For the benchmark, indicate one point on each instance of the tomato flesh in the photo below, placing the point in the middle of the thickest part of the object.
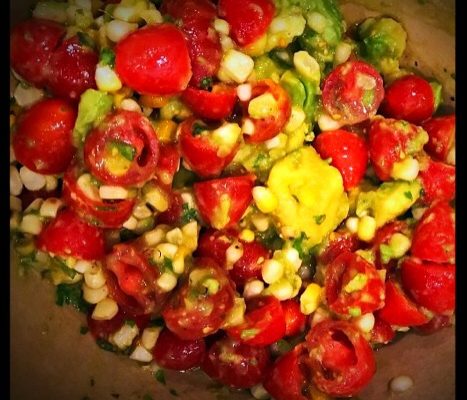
(216, 104)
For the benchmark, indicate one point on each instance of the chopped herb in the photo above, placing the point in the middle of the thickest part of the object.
(249, 333)
(282, 346)
(107, 57)
(368, 98)
(83, 330)
(126, 151)
(105, 345)
(386, 253)
(188, 214)
(86, 40)
(358, 282)
(28, 260)
(72, 295)
(298, 242)
(408, 194)
(158, 321)
(60, 264)
(160, 376)
(173, 392)
(270, 239)
(261, 161)
(126, 235)
(206, 83)
(167, 265)
(197, 129)
(130, 322)
(319, 219)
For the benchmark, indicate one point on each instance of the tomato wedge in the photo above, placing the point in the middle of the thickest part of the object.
(223, 201)
(67, 235)
(340, 359)
(337, 243)
(154, 60)
(295, 320)
(442, 135)
(352, 92)
(438, 180)
(123, 149)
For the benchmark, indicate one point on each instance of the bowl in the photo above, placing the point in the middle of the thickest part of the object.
(51, 360)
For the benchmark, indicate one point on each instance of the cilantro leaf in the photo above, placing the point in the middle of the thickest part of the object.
(72, 295)
(107, 57)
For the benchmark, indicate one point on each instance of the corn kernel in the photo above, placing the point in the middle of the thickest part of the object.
(271, 271)
(265, 200)
(167, 281)
(50, 207)
(237, 65)
(158, 199)
(94, 296)
(117, 30)
(105, 310)
(15, 203)
(108, 192)
(233, 253)
(130, 105)
(27, 96)
(150, 336)
(155, 236)
(95, 279)
(400, 244)
(131, 223)
(31, 180)
(259, 392)
(365, 322)
(310, 299)
(141, 354)
(106, 79)
(306, 65)
(366, 228)
(244, 91)
(31, 224)
(83, 266)
(261, 222)
(124, 337)
(352, 224)
(343, 52)
(282, 290)
(221, 26)
(16, 184)
(327, 123)
(247, 235)
(253, 288)
(317, 21)
(297, 117)
(407, 169)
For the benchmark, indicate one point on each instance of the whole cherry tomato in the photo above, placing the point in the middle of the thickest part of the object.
(348, 153)
(409, 98)
(43, 138)
(248, 22)
(438, 180)
(154, 60)
(352, 92)
(442, 135)
(68, 236)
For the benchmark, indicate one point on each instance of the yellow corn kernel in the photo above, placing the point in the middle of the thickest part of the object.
(141, 354)
(105, 309)
(366, 228)
(153, 101)
(365, 322)
(166, 130)
(247, 235)
(122, 94)
(407, 169)
(310, 299)
(253, 288)
(272, 270)
(150, 336)
(306, 65)
(95, 279)
(264, 199)
(106, 79)
(94, 296)
(400, 244)
(167, 281)
(281, 290)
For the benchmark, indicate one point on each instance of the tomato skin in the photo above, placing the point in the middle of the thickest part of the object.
(100, 213)
(236, 364)
(195, 322)
(430, 285)
(267, 128)
(209, 195)
(214, 244)
(410, 98)
(435, 324)
(172, 215)
(171, 352)
(341, 272)
(201, 152)
(264, 319)
(248, 22)
(340, 360)
(128, 128)
(438, 180)
(43, 138)
(154, 60)
(349, 154)
(31, 45)
(295, 320)
(382, 332)
(337, 243)
(285, 379)
(390, 141)
(434, 237)
(67, 235)
(343, 94)
(214, 105)
(72, 69)
(399, 309)
(442, 132)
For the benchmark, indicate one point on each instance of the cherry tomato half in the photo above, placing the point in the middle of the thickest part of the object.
(340, 360)
(154, 60)
(352, 92)
(43, 138)
(123, 149)
(438, 180)
(442, 135)
(348, 153)
(382, 332)
(67, 235)
(294, 318)
(336, 243)
(236, 364)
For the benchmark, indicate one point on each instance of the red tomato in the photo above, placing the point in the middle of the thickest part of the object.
(248, 21)
(383, 236)
(294, 319)
(215, 104)
(236, 364)
(348, 153)
(438, 180)
(201, 303)
(340, 360)
(353, 285)
(214, 244)
(435, 324)
(431, 285)
(434, 237)
(31, 45)
(172, 215)
(168, 163)
(268, 127)
(285, 380)
(223, 201)
(264, 322)
(442, 134)
(409, 98)
(72, 69)
(42, 141)
(390, 141)
(136, 277)
(202, 151)
(352, 92)
(171, 352)
(103, 213)
(399, 309)
(122, 150)
(382, 332)
(67, 235)
(154, 60)
(337, 243)
(202, 40)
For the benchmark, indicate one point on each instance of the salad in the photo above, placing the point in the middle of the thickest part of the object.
(253, 189)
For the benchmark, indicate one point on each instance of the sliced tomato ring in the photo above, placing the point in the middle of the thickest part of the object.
(123, 149)
(105, 214)
(340, 360)
(352, 92)
(267, 127)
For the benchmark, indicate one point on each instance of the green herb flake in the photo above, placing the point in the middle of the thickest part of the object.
(72, 295)
(158, 321)
(107, 57)
(358, 282)
(188, 214)
(197, 129)
(298, 242)
(130, 322)
(83, 330)
(249, 333)
(105, 345)
(206, 83)
(409, 195)
(86, 40)
(386, 253)
(126, 151)
(167, 265)
(319, 219)
(160, 376)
